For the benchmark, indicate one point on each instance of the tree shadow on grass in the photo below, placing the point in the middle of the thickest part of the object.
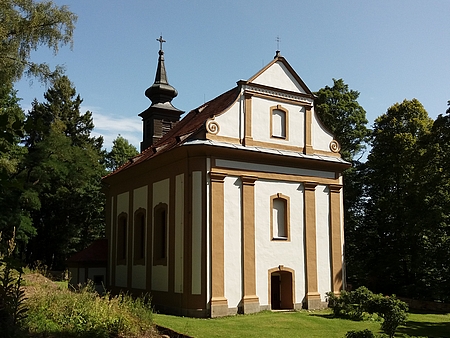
(426, 329)
(323, 315)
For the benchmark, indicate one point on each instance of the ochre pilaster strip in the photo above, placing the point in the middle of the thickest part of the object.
(250, 300)
(312, 294)
(308, 149)
(219, 304)
(335, 240)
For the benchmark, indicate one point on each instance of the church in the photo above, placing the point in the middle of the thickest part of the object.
(235, 208)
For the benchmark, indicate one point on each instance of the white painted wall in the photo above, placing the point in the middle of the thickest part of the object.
(261, 118)
(98, 272)
(230, 122)
(160, 273)
(271, 254)
(197, 208)
(122, 206)
(278, 76)
(321, 138)
(74, 276)
(81, 275)
(323, 240)
(179, 232)
(138, 272)
(232, 240)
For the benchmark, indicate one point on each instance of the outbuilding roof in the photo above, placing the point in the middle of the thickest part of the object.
(96, 252)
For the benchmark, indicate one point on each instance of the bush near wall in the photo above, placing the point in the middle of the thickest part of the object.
(354, 304)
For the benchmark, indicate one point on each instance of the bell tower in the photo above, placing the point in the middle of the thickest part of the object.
(161, 116)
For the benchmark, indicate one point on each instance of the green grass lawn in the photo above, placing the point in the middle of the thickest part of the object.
(297, 324)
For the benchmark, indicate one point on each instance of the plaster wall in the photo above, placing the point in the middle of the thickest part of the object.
(123, 201)
(81, 275)
(278, 76)
(273, 253)
(74, 276)
(96, 272)
(321, 138)
(323, 240)
(261, 122)
(232, 240)
(138, 272)
(160, 273)
(230, 122)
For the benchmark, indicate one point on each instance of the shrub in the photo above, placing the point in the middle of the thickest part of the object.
(350, 305)
(354, 304)
(360, 334)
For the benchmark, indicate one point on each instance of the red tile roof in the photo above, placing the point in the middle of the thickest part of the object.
(193, 122)
(96, 252)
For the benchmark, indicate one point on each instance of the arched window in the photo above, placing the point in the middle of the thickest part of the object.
(279, 217)
(160, 234)
(122, 238)
(279, 118)
(139, 237)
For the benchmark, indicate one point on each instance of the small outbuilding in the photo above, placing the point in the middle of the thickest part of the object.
(89, 264)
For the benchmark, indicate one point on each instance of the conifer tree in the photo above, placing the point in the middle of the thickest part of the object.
(63, 167)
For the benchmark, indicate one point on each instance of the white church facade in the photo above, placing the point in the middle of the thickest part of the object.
(235, 208)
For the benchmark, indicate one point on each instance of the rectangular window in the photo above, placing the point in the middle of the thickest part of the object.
(279, 122)
(279, 222)
(279, 217)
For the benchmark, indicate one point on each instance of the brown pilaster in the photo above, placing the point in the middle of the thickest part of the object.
(308, 149)
(219, 304)
(130, 235)
(250, 301)
(335, 238)
(312, 294)
(248, 119)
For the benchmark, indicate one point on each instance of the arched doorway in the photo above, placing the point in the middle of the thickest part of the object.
(281, 289)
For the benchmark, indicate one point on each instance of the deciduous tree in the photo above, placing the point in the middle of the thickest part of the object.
(394, 215)
(25, 25)
(120, 153)
(339, 110)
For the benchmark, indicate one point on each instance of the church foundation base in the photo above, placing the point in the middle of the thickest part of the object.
(250, 304)
(219, 307)
(313, 302)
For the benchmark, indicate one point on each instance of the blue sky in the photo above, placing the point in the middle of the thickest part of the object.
(388, 50)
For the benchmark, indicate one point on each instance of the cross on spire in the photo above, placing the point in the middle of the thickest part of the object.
(161, 41)
(278, 43)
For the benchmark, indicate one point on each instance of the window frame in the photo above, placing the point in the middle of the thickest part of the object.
(286, 122)
(287, 226)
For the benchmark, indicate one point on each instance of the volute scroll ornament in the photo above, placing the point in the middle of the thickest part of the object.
(212, 126)
(335, 147)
